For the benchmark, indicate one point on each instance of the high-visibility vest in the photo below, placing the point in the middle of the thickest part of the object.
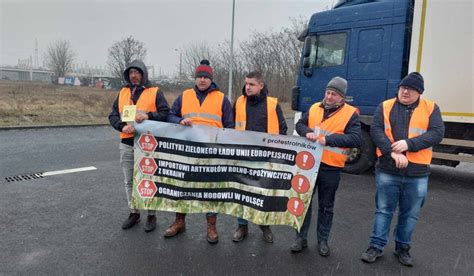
(335, 124)
(209, 113)
(145, 103)
(273, 126)
(418, 125)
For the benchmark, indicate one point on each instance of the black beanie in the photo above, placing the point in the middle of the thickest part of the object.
(414, 80)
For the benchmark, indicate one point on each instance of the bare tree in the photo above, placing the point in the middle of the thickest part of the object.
(59, 57)
(123, 52)
(275, 53)
(193, 54)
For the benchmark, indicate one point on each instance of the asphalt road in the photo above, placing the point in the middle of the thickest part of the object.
(70, 223)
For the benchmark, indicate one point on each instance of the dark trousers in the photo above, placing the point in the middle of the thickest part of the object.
(326, 184)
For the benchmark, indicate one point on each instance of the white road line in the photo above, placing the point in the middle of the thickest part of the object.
(83, 169)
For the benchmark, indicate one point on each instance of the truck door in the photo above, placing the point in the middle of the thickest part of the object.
(369, 57)
(327, 59)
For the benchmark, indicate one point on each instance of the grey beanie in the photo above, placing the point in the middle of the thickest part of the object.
(339, 85)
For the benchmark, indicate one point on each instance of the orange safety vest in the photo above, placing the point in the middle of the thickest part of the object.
(418, 125)
(335, 124)
(209, 113)
(273, 126)
(145, 103)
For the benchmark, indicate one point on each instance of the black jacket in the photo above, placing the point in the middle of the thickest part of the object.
(256, 113)
(350, 139)
(400, 116)
(162, 107)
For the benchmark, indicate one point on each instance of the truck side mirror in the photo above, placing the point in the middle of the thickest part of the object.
(307, 47)
(306, 62)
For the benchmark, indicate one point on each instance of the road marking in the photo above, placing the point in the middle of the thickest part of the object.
(31, 176)
(69, 171)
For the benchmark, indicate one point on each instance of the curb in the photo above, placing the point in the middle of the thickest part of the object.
(49, 126)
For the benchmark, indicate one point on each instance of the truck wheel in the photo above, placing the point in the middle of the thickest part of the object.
(363, 158)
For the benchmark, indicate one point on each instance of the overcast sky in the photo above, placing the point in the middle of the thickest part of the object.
(93, 26)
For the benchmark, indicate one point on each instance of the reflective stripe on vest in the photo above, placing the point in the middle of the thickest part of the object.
(209, 113)
(273, 125)
(418, 125)
(333, 156)
(146, 103)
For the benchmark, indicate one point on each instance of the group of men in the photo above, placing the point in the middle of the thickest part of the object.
(404, 129)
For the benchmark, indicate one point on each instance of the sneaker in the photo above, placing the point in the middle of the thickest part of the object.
(299, 245)
(323, 248)
(371, 254)
(150, 224)
(403, 255)
(132, 219)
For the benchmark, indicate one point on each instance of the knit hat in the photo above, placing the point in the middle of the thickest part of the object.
(339, 85)
(204, 70)
(414, 80)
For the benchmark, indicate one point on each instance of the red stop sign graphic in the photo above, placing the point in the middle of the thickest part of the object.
(146, 189)
(147, 142)
(148, 165)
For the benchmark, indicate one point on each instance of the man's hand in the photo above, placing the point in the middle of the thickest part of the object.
(186, 122)
(400, 146)
(312, 136)
(128, 129)
(140, 117)
(401, 160)
(322, 141)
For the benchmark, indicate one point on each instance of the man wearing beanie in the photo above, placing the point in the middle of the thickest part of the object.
(202, 105)
(335, 125)
(404, 129)
(256, 111)
(150, 105)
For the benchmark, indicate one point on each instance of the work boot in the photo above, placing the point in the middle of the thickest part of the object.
(323, 248)
(403, 255)
(240, 234)
(267, 234)
(178, 226)
(132, 219)
(371, 254)
(299, 245)
(212, 236)
(150, 224)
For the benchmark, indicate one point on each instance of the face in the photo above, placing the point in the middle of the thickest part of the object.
(203, 83)
(407, 95)
(332, 97)
(135, 76)
(253, 87)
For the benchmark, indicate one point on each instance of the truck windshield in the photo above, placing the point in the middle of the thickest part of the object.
(327, 50)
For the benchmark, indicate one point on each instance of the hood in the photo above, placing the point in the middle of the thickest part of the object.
(138, 64)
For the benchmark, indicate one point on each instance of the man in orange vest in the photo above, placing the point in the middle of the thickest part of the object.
(256, 111)
(336, 126)
(150, 105)
(404, 129)
(202, 105)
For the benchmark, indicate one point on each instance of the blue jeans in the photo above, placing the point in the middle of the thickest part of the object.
(409, 194)
(242, 221)
(326, 184)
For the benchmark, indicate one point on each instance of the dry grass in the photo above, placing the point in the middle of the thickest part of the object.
(25, 103)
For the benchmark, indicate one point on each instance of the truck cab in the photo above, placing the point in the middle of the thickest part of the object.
(365, 42)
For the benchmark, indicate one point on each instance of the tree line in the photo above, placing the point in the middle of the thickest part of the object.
(275, 53)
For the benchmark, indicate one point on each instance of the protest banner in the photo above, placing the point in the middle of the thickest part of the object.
(264, 178)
